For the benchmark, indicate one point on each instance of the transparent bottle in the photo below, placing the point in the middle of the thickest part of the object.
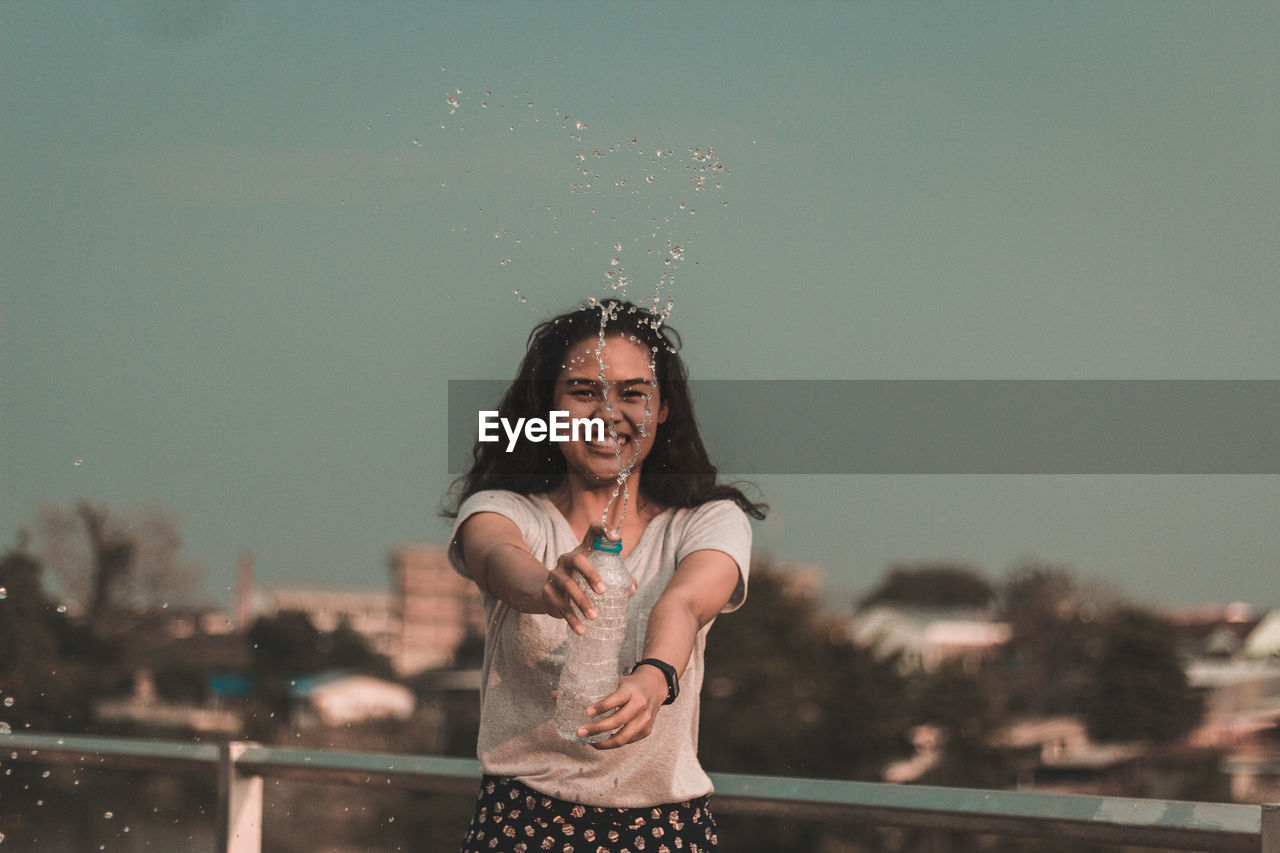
(591, 667)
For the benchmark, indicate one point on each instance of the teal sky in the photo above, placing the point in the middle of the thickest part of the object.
(245, 245)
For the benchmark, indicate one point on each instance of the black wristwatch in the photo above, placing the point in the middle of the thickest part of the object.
(669, 672)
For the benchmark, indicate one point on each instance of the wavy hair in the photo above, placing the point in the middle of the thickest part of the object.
(677, 472)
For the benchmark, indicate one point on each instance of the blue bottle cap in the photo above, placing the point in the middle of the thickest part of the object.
(604, 543)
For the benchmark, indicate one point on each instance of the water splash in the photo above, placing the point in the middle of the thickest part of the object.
(638, 188)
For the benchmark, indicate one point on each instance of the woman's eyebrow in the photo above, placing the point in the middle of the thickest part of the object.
(594, 382)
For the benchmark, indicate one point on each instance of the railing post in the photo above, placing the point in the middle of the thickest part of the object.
(239, 803)
(1270, 828)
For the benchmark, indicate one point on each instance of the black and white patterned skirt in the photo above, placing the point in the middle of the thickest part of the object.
(512, 818)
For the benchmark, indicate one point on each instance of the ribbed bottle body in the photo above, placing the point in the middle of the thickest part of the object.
(592, 668)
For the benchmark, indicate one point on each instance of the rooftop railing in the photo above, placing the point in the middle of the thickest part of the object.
(241, 768)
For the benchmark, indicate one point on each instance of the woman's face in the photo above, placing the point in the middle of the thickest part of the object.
(633, 405)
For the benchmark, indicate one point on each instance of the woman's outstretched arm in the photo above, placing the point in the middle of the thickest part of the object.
(499, 562)
(700, 589)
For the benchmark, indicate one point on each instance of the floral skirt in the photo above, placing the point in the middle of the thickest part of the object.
(512, 818)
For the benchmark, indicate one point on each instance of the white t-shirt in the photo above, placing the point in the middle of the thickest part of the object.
(524, 653)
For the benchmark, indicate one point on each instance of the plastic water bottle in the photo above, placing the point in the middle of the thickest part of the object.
(591, 668)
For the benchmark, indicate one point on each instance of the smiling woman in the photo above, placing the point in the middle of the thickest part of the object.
(524, 521)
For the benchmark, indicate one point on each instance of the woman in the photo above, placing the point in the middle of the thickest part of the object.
(524, 522)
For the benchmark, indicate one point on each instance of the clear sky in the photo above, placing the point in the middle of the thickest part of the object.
(245, 245)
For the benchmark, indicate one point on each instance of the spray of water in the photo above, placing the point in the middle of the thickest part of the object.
(623, 182)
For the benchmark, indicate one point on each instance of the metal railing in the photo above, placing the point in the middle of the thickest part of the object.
(241, 767)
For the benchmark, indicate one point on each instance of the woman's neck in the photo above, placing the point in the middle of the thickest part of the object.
(583, 505)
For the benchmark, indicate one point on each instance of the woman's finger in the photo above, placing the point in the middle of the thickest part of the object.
(636, 729)
(583, 566)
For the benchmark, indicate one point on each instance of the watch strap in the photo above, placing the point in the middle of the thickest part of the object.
(668, 672)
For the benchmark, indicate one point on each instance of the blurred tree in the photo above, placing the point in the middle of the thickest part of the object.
(1140, 689)
(108, 565)
(935, 584)
(48, 669)
(283, 647)
(287, 645)
(968, 709)
(787, 693)
(347, 648)
(1055, 639)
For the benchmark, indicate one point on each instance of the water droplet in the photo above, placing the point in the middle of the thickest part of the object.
(4, 728)
(4, 593)
(78, 463)
(62, 608)
(8, 701)
(108, 815)
(617, 247)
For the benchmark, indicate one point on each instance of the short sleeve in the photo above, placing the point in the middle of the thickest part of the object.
(507, 504)
(720, 526)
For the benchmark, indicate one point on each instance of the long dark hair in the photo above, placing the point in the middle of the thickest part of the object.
(677, 472)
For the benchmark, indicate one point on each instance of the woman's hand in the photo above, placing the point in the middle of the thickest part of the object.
(562, 596)
(637, 700)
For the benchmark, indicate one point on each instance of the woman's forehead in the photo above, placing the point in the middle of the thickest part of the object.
(619, 355)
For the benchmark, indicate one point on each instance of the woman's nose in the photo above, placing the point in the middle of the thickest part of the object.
(607, 405)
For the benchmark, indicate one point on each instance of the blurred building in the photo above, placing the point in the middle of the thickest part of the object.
(1056, 754)
(1264, 640)
(925, 637)
(372, 615)
(1211, 630)
(419, 624)
(436, 609)
(1242, 698)
(345, 698)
